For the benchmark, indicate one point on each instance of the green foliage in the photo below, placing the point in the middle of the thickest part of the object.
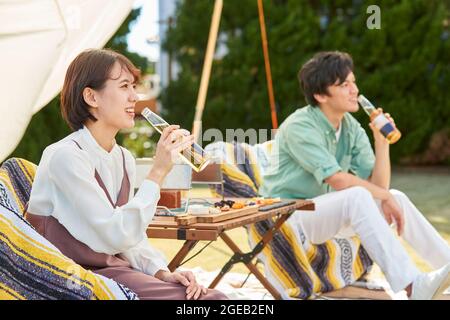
(141, 140)
(402, 67)
(119, 41)
(47, 126)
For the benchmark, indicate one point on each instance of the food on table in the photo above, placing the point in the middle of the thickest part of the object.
(265, 201)
(226, 205)
(214, 210)
(223, 203)
(238, 205)
(198, 209)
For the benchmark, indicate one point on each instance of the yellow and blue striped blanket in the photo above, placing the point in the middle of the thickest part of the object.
(30, 266)
(293, 265)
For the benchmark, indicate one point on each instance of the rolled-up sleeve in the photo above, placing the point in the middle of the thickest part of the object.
(363, 158)
(308, 147)
(145, 258)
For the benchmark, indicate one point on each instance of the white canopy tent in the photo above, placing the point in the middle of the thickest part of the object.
(38, 40)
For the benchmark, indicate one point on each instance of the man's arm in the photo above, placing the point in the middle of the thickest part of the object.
(381, 174)
(343, 180)
(391, 210)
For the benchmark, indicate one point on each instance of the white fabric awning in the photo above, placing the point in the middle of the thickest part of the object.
(38, 40)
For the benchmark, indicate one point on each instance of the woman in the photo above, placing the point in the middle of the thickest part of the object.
(82, 200)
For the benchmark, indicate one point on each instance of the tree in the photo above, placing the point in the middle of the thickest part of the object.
(402, 67)
(47, 126)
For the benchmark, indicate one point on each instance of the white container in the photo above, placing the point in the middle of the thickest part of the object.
(178, 178)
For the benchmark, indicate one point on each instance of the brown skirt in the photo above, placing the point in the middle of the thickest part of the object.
(112, 267)
(150, 288)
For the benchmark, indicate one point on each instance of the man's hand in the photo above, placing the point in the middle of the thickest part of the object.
(186, 278)
(377, 135)
(393, 212)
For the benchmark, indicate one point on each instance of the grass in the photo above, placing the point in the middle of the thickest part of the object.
(429, 190)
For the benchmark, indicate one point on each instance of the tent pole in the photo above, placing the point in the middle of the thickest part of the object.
(201, 98)
(267, 65)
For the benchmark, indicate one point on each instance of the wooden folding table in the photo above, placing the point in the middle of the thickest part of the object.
(168, 228)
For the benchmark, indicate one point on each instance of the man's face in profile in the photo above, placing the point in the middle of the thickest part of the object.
(343, 96)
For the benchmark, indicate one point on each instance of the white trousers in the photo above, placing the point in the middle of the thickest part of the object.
(354, 211)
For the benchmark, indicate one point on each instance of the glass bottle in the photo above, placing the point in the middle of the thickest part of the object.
(195, 155)
(379, 119)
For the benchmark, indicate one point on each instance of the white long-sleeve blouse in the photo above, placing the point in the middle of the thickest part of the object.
(65, 188)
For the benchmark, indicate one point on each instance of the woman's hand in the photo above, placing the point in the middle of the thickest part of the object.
(172, 141)
(186, 278)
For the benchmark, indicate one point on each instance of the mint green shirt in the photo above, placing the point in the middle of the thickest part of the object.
(306, 152)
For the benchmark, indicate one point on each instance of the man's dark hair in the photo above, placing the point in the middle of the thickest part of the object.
(322, 71)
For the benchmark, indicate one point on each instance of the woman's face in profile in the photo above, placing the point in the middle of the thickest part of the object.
(116, 101)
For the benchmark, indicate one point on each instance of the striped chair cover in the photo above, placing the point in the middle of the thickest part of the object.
(30, 266)
(294, 266)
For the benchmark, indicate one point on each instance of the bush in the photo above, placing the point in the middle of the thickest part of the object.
(402, 67)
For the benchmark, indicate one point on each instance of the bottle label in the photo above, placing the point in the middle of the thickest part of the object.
(383, 124)
(380, 121)
(386, 129)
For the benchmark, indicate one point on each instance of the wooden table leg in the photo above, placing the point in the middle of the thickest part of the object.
(239, 256)
(268, 236)
(182, 253)
(247, 258)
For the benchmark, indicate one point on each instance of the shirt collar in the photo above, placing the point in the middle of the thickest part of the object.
(93, 144)
(326, 125)
(323, 120)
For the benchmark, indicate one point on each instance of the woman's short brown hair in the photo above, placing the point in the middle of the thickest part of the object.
(90, 69)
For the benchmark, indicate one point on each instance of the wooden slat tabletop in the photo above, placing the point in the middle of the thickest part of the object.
(168, 228)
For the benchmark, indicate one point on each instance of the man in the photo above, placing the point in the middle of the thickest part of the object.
(321, 152)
